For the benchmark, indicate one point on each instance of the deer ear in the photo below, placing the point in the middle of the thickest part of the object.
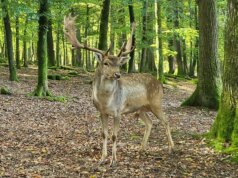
(123, 60)
(98, 56)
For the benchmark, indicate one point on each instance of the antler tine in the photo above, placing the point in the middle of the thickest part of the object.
(106, 53)
(70, 33)
(122, 49)
(128, 48)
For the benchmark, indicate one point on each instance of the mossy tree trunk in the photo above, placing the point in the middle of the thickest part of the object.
(225, 127)
(8, 37)
(42, 86)
(208, 89)
(104, 25)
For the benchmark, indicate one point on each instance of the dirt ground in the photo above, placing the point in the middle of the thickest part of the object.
(41, 138)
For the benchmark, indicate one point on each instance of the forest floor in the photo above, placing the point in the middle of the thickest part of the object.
(42, 138)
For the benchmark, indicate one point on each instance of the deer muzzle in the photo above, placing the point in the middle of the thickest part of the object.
(117, 75)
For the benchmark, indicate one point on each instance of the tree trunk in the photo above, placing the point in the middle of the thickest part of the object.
(104, 25)
(42, 86)
(177, 39)
(150, 57)
(194, 52)
(25, 60)
(225, 127)
(87, 27)
(170, 56)
(208, 89)
(131, 67)
(18, 64)
(9, 46)
(50, 45)
(58, 59)
(122, 33)
(185, 63)
(161, 59)
(79, 61)
(144, 36)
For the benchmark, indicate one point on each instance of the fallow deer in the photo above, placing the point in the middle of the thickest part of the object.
(115, 94)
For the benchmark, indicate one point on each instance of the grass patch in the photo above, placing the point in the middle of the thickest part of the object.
(5, 91)
(61, 99)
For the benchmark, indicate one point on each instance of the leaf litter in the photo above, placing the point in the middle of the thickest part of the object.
(41, 138)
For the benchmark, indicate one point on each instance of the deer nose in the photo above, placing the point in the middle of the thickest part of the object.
(117, 75)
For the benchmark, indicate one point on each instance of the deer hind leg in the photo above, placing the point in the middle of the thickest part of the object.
(148, 125)
(104, 122)
(159, 114)
(116, 124)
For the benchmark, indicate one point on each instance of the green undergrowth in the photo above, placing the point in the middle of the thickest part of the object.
(223, 147)
(57, 77)
(50, 97)
(5, 91)
(62, 99)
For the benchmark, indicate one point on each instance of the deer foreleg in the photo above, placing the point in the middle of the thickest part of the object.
(104, 122)
(116, 125)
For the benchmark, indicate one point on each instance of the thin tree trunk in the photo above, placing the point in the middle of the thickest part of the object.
(18, 64)
(144, 36)
(177, 39)
(171, 57)
(25, 60)
(131, 67)
(58, 59)
(50, 45)
(161, 59)
(9, 46)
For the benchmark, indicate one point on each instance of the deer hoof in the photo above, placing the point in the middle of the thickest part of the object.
(102, 162)
(113, 163)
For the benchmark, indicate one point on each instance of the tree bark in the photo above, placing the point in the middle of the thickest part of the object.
(9, 46)
(58, 58)
(208, 89)
(104, 25)
(177, 39)
(144, 36)
(50, 45)
(42, 86)
(171, 57)
(131, 67)
(18, 64)
(225, 127)
(161, 59)
(25, 60)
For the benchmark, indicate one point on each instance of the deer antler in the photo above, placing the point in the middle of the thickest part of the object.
(70, 33)
(128, 46)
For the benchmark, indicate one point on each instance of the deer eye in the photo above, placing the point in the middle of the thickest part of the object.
(106, 64)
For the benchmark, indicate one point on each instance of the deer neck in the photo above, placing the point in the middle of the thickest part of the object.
(103, 86)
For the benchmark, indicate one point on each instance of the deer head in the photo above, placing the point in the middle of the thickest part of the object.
(109, 65)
